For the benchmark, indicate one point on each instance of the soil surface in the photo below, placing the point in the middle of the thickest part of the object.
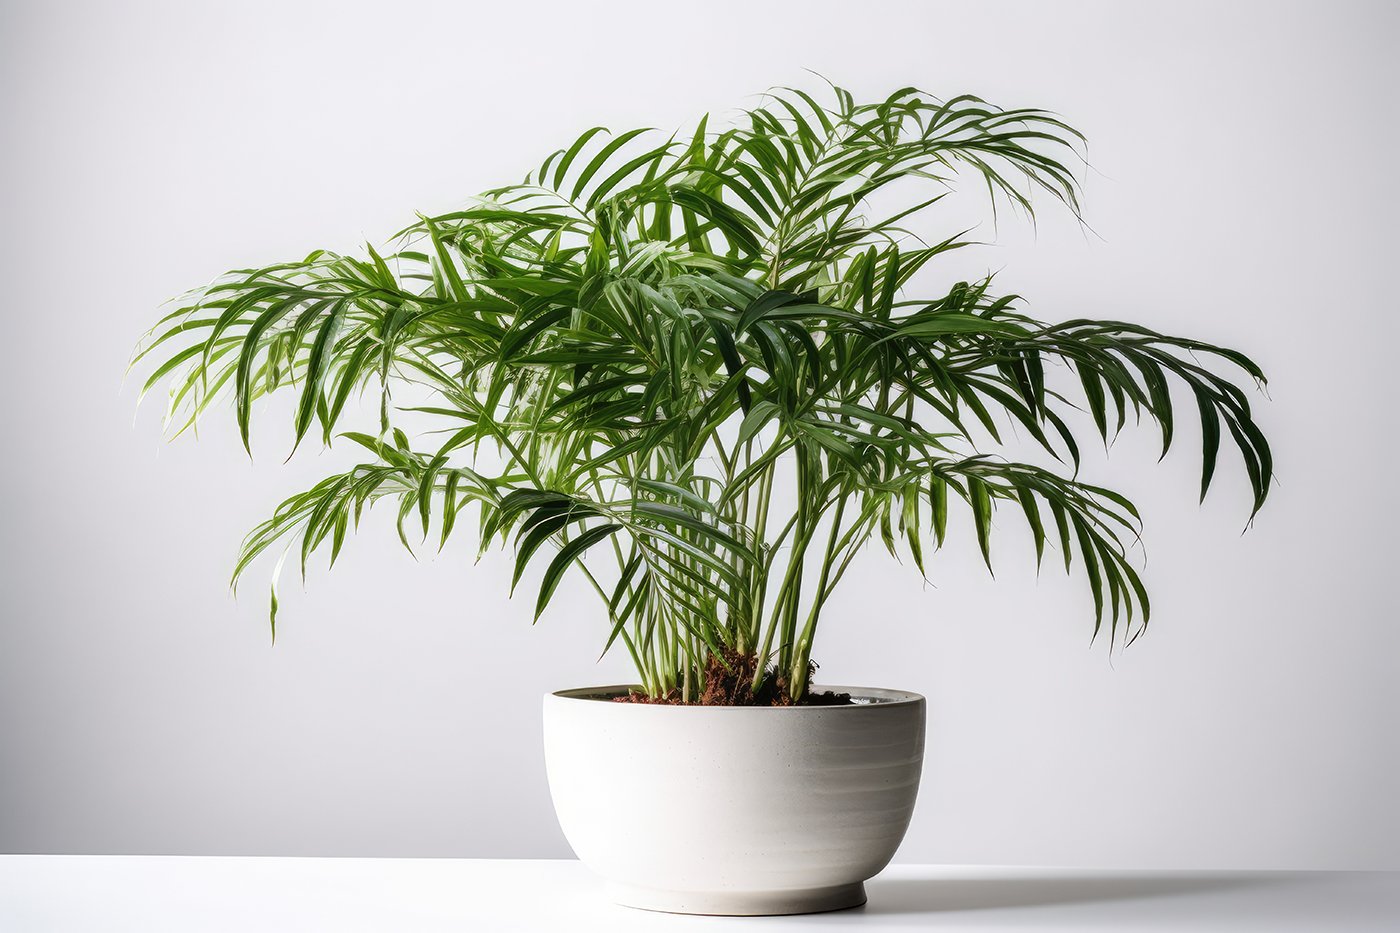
(728, 682)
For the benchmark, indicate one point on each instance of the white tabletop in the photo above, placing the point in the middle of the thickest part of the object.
(40, 894)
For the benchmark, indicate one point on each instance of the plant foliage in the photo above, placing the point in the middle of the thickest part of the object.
(649, 341)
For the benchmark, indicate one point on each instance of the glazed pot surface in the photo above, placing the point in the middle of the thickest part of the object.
(734, 810)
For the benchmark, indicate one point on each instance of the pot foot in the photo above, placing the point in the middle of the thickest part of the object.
(739, 903)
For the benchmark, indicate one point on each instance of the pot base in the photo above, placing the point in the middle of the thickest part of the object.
(739, 903)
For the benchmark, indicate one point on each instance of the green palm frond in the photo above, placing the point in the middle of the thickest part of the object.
(650, 335)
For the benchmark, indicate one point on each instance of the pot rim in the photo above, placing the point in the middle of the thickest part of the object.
(864, 697)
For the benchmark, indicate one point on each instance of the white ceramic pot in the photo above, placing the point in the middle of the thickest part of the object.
(734, 810)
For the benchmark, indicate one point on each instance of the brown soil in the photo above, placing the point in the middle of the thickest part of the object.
(728, 681)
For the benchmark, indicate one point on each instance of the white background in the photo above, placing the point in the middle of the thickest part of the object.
(1243, 192)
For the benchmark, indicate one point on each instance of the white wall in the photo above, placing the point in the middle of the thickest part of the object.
(1243, 193)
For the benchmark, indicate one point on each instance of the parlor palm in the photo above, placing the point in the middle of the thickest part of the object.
(693, 371)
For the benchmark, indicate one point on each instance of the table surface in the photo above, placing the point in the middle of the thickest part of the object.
(154, 894)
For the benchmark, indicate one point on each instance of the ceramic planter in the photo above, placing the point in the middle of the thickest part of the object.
(734, 810)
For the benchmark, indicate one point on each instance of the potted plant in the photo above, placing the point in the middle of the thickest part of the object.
(693, 371)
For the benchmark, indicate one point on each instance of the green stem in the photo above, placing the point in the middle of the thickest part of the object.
(802, 651)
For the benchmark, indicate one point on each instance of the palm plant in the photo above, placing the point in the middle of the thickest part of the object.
(693, 369)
